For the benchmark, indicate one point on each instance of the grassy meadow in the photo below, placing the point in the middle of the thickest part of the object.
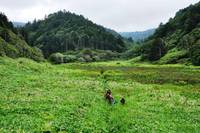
(69, 98)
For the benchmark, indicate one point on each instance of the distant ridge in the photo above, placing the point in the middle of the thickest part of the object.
(138, 35)
(18, 24)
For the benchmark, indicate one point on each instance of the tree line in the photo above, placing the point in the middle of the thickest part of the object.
(64, 31)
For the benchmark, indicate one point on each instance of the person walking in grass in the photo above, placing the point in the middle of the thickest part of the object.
(109, 97)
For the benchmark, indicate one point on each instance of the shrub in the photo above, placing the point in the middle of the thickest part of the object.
(69, 58)
(96, 58)
(87, 52)
(56, 58)
(109, 55)
(81, 59)
(36, 54)
(11, 51)
(88, 58)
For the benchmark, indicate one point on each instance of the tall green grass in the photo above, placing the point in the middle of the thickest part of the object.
(40, 97)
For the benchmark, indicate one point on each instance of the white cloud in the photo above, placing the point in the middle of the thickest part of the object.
(121, 15)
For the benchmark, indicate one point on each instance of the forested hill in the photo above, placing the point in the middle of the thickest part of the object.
(63, 31)
(12, 44)
(177, 40)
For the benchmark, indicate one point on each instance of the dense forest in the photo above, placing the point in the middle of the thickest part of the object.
(13, 45)
(66, 37)
(176, 41)
(64, 31)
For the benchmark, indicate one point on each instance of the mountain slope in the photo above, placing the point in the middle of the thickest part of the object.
(138, 35)
(181, 33)
(113, 32)
(12, 45)
(64, 31)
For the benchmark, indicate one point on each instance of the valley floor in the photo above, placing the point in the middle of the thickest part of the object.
(40, 97)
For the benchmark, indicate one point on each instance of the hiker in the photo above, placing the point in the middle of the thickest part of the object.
(123, 101)
(109, 97)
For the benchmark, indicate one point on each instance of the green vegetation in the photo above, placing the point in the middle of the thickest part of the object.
(64, 31)
(153, 50)
(12, 45)
(181, 33)
(195, 53)
(174, 56)
(85, 55)
(65, 37)
(69, 98)
(133, 51)
(40, 97)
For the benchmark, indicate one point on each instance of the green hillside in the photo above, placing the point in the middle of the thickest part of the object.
(64, 31)
(181, 33)
(12, 45)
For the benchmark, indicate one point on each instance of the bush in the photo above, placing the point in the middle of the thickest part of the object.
(81, 59)
(37, 54)
(56, 58)
(87, 52)
(11, 51)
(88, 58)
(109, 55)
(96, 58)
(85, 55)
(69, 58)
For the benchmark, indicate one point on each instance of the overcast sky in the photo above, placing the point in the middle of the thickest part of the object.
(120, 15)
